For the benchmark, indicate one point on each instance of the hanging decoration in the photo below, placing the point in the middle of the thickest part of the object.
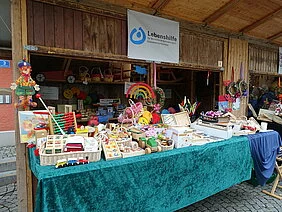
(141, 91)
(25, 86)
(235, 89)
(160, 96)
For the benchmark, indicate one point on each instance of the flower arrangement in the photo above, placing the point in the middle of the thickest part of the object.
(186, 105)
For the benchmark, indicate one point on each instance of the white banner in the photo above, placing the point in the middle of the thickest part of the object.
(280, 61)
(152, 38)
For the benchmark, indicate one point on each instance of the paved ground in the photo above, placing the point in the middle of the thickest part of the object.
(7, 152)
(8, 198)
(242, 197)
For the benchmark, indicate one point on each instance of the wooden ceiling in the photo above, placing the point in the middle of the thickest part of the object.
(255, 18)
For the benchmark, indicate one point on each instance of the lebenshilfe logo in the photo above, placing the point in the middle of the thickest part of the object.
(137, 36)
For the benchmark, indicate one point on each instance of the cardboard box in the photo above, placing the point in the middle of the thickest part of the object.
(109, 101)
(61, 108)
(41, 137)
(213, 129)
(126, 66)
(182, 136)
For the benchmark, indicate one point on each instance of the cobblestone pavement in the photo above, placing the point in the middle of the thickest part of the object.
(7, 152)
(8, 198)
(241, 197)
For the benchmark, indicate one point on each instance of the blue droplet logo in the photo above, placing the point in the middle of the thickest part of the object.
(137, 36)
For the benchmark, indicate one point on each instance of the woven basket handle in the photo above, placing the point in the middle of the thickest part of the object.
(96, 70)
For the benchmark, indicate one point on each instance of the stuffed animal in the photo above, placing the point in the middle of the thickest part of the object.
(25, 86)
(93, 121)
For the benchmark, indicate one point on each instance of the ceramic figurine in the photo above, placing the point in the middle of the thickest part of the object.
(25, 86)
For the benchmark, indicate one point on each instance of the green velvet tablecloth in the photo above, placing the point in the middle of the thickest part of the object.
(164, 181)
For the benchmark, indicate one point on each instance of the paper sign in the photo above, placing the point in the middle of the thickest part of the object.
(50, 93)
(5, 64)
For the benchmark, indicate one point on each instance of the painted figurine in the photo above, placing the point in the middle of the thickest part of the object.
(25, 86)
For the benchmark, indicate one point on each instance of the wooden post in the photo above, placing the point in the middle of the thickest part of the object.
(19, 39)
(150, 79)
(237, 54)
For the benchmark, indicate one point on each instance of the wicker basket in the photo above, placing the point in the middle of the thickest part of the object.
(51, 159)
(165, 148)
(96, 74)
(108, 76)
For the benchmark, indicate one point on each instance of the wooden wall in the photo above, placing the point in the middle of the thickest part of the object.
(237, 56)
(65, 28)
(200, 49)
(263, 60)
(55, 26)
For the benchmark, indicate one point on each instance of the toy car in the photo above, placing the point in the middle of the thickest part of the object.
(61, 163)
(72, 161)
(150, 145)
(82, 160)
(56, 75)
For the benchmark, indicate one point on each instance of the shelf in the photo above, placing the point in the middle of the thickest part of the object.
(80, 82)
(171, 83)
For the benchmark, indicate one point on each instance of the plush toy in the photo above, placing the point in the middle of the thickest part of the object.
(145, 118)
(156, 118)
(171, 110)
(93, 121)
(25, 86)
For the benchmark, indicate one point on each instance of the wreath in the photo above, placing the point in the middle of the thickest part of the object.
(161, 94)
(232, 89)
(243, 87)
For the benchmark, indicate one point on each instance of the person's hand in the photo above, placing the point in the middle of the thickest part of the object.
(13, 86)
(36, 87)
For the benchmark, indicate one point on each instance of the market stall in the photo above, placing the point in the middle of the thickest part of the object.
(82, 38)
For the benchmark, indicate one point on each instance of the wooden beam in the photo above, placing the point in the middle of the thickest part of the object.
(273, 37)
(158, 5)
(100, 7)
(225, 8)
(19, 38)
(94, 7)
(88, 55)
(261, 21)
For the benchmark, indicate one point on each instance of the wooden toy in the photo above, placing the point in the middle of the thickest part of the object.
(25, 86)
(55, 144)
(62, 122)
(150, 145)
(111, 150)
(71, 162)
(132, 150)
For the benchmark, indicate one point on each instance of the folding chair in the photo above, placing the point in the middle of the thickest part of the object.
(277, 179)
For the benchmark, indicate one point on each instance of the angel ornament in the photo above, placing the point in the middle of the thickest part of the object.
(25, 86)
